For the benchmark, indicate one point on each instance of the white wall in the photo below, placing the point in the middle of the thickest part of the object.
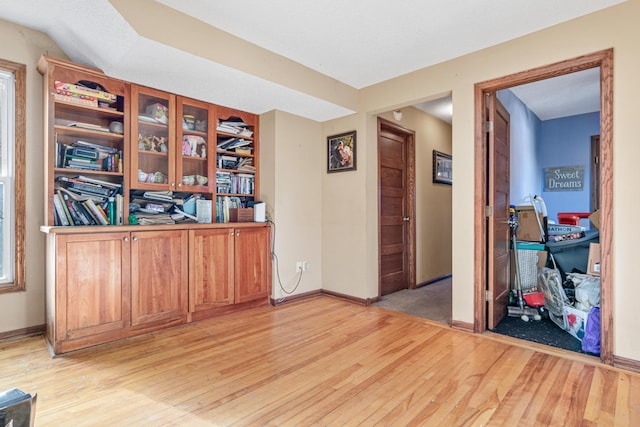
(25, 309)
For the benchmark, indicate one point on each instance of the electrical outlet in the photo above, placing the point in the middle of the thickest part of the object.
(299, 266)
(305, 265)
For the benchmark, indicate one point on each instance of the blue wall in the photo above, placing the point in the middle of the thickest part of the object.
(526, 174)
(536, 145)
(567, 142)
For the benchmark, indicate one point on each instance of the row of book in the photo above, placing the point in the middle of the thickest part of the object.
(87, 192)
(70, 210)
(226, 161)
(88, 156)
(234, 183)
(224, 203)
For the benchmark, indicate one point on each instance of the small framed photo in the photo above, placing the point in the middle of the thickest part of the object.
(341, 152)
(442, 168)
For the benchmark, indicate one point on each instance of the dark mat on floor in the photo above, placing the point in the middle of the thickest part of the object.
(543, 331)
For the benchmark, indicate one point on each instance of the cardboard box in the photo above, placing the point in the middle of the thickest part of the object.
(593, 263)
(595, 218)
(528, 228)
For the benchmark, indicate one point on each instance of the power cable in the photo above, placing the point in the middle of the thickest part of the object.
(275, 257)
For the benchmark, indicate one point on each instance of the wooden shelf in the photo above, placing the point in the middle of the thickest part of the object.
(79, 107)
(234, 135)
(152, 153)
(233, 153)
(87, 172)
(68, 130)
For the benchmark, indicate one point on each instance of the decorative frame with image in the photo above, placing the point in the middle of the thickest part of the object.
(341, 152)
(442, 168)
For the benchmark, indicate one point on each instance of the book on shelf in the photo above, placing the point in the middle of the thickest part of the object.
(95, 147)
(99, 181)
(96, 212)
(159, 195)
(60, 211)
(64, 207)
(78, 216)
(203, 211)
(234, 125)
(224, 203)
(88, 126)
(119, 209)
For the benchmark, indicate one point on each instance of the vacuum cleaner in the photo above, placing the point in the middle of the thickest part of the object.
(521, 310)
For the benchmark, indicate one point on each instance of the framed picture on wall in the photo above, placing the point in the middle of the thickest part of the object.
(442, 168)
(341, 152)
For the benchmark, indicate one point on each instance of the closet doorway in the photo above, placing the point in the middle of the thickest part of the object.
(483, 169)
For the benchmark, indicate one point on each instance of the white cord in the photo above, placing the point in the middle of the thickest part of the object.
(275, 257)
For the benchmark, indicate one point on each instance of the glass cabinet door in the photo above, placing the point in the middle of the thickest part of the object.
(152, 139)
(193, 156)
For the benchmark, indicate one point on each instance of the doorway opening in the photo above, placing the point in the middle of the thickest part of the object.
(487, 247)
(427, 291)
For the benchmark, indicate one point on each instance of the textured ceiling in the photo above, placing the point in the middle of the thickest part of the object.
(355, 43)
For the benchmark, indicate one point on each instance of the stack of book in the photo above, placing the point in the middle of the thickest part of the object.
(161, 207)
(235, 144)
(234, 125)
(223, 182)
(88, 156)
(226, 161)
(87, 201)
(246, 164)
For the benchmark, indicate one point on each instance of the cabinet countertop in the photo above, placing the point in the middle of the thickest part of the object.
(123, 228)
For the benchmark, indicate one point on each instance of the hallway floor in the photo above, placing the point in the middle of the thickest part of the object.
(432, 301)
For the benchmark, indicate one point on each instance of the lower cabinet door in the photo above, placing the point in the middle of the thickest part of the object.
(252, 264)
(159, 277)
(210, 268)
(92, 285)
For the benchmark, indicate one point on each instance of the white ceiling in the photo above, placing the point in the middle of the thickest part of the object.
(356, 42)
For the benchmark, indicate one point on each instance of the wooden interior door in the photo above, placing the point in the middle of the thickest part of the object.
(396, 208)
(498, 227)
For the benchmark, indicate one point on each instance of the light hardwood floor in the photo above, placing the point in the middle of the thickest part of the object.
(321, 361)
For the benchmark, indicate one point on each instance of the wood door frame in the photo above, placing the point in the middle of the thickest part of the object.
(409, 136)
(603, 60)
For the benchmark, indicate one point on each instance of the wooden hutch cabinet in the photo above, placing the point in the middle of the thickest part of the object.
(107, 143)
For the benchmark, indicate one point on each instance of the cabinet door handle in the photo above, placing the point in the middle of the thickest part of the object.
(135, 238)
(179, 184)
(231, 233)
(173, 184)
(126, 239)
(238, 233)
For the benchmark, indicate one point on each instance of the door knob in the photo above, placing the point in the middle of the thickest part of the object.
(406, 218)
